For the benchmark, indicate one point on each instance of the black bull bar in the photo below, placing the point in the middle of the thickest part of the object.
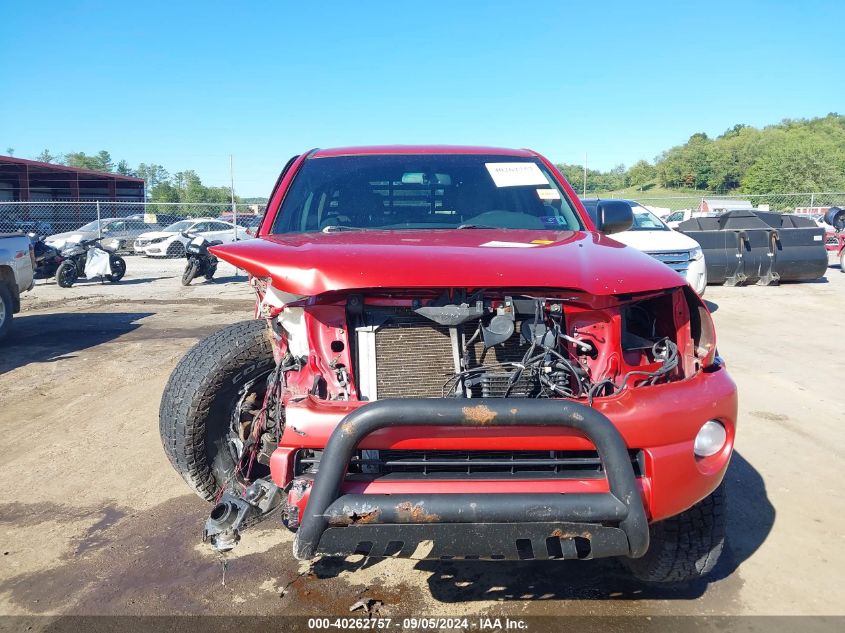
(495, 525)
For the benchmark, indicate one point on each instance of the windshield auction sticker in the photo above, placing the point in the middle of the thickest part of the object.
(516, 174)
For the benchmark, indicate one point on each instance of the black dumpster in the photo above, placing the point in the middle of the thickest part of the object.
(759, 247)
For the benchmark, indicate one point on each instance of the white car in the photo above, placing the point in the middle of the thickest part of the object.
(169, 242)
(653, 236)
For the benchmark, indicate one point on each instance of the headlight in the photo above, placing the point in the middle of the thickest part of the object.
(696, 254)
(710, 439)
(157, 240)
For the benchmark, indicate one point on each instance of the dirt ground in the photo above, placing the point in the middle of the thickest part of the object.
(93, 520)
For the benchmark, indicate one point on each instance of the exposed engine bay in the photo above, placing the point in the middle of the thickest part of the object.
(518, 347)
(488, 344)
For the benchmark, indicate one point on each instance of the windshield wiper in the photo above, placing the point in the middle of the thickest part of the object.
(337, 228)
(477, 226)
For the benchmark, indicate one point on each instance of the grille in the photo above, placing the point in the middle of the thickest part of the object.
(414, 358)
(406, 464)
(678, 261)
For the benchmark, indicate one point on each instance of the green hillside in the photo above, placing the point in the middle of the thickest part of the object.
(795, 155)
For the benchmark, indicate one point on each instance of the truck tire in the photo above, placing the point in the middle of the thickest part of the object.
(687, 546)
(835, 217)
(200, 398)
(6, 309)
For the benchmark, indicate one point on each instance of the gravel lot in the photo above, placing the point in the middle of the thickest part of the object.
(93, 519)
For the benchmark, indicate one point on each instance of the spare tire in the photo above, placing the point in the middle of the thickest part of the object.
(201, 396)
(836, 218)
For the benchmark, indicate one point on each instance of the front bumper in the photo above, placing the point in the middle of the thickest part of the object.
(494, 525)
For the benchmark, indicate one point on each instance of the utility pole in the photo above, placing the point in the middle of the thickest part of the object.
(585, 174)
(232, 189)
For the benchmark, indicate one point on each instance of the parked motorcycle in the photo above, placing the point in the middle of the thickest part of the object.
(47, 258)
(200, 261)
(76, 256)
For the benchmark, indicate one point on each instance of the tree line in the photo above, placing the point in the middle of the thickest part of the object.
(795, 155)
(161, 185)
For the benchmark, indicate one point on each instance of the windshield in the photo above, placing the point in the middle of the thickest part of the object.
(645, 220)
(182, 225)
(429, 191)
(92, 226)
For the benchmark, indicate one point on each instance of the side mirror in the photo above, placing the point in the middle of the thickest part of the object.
(614, 216)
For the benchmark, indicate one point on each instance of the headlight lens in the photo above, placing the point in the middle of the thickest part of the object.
(157, 240)
(710, 439)
(696, 254)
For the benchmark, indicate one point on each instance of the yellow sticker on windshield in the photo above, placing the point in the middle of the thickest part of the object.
(548, 194)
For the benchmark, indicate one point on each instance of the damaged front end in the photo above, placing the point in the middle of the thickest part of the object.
(234, 513)
(487, 343)
(520, 384)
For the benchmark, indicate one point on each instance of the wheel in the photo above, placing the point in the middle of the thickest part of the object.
(200, 400)
(835, 216)
(6, 308)
(118, 268)
(66, 274)
(210, 271)
(176, 249)
(685, 547)
(190, 272)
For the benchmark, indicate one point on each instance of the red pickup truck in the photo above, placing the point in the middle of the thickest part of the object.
(450, 359)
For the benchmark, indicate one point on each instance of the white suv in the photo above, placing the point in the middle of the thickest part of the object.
(651, 235)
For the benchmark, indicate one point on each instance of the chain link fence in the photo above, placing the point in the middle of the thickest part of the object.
(804, 203)
(49, 218)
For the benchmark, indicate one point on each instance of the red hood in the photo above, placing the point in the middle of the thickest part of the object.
(312, 263)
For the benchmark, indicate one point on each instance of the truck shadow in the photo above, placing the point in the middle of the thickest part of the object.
(45, 338)
(750, 520)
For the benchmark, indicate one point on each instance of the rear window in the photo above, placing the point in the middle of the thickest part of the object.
(432, 191)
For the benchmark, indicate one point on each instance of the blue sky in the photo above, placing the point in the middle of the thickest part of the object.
(185, 84)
